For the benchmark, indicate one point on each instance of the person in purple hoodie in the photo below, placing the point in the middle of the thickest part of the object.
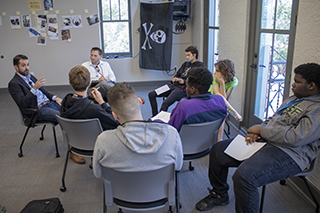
(200, 106)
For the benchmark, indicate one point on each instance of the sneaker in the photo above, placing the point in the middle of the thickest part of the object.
(213, 199)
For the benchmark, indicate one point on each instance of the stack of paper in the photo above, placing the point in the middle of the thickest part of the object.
(239, 150)
(163, 116)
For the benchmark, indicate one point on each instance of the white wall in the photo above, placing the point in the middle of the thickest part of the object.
(54, 60)
(233, 43)
(307, 42)
(307, 46)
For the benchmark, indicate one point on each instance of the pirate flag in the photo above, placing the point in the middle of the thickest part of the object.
(155, 35)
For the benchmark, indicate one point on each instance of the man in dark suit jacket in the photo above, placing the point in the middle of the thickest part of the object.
(28, 93)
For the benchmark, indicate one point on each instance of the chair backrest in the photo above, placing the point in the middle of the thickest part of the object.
(80, 133)
(311, 168)
(139, 187)
(199, 137)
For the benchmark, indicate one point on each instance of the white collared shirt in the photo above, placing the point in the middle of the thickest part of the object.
(103, 68)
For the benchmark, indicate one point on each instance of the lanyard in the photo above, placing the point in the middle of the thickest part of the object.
(290, 103)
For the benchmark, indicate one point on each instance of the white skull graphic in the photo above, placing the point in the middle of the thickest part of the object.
(159, 36)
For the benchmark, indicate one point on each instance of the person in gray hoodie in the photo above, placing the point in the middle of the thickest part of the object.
(136, 145)
(292, 141)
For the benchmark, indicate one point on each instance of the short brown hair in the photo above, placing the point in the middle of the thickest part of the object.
(97, 49)
(193, 50)
(226, 67)
(19, 57)
(79, 78)
(123, 100)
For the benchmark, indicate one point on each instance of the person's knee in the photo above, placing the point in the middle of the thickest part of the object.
(243, 177)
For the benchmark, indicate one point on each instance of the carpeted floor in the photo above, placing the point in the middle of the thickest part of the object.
(37, 175)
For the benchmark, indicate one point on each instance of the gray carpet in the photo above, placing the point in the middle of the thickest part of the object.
(37, 175)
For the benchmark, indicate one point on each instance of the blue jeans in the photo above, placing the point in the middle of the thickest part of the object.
(268, 165)
(48, 111)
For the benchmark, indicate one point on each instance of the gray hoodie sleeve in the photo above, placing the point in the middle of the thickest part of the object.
(295, 130)
(95, 160)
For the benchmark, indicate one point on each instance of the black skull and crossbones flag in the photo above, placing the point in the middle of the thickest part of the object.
(156, 35)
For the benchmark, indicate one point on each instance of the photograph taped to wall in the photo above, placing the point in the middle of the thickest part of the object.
(47, 4)
(15, 22)
(66, 22)
(93, 19)
(53, 32)
(33, 32)
(41, 22)
(41, 40)
(65, 34)
(53, 19)
(26, 21)
(76, 21)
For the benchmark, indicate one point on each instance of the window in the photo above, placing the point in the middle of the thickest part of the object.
(213, 34)
(115, 27)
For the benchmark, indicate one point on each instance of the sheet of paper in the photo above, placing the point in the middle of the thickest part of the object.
(238, 149)
(163, 116)
(162, 89)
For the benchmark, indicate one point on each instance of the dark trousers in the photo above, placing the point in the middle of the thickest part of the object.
(268, 165)
(174, 94)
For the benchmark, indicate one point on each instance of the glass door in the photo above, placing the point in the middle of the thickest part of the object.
(273, 51)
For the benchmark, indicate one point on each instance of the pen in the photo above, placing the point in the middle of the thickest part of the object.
(93, 90)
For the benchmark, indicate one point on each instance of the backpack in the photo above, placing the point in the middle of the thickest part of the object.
(50, 205)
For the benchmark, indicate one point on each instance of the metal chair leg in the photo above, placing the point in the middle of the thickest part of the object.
(262, 198)
(63, 187)
(177, 192)
(55, 141)
(225, 132)
(191, 168)
(312, 195)
(42, 137)
(22, 142)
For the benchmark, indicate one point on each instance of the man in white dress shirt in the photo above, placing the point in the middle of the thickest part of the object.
(102, 76)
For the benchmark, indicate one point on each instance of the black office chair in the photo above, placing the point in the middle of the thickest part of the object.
(37, 123)
(309, 171)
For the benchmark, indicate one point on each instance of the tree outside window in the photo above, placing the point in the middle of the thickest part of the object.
(115, 27)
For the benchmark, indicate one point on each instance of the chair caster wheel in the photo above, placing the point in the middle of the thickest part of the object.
(20, 155)
(63, 188)
(57, 155)
(41, 138)
(90, 166)
(282, 182)
(191, 168)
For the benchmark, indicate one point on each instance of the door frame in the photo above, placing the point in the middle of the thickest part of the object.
(253, 46)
